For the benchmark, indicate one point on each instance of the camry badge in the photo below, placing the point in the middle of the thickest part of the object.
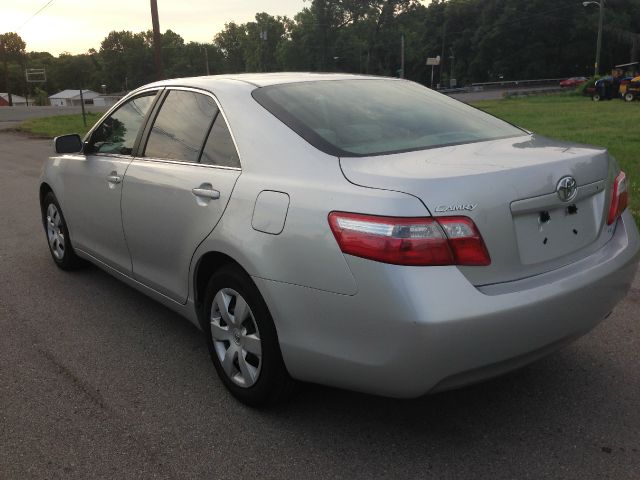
(469, 207)
(567, 189)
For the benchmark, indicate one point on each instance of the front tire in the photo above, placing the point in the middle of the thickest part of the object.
(243, 341)
(629, 97)
(596, 97)
(57, 233)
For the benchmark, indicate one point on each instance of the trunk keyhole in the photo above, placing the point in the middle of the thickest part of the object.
(572, 209)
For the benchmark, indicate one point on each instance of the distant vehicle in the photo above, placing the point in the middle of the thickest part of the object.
(573, 82)
(603, 89)
(630, 89)
(354, 231)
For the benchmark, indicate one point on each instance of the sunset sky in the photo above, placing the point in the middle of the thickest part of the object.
(76, 26)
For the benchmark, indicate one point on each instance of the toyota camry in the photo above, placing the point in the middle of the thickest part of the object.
(354, 231)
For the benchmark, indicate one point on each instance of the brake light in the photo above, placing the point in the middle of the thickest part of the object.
(619, 198)
(410, 241)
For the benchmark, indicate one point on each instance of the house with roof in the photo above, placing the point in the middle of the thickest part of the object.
(71, 98)
(108, 100)
(17, 100)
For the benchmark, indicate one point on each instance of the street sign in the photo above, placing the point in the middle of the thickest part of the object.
(36, 75)
(433, 62)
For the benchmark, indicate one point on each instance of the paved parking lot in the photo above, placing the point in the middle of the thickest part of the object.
(98, 381)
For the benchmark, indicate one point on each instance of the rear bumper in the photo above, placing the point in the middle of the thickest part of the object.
(412, 330)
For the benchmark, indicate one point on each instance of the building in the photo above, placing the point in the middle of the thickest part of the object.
(108, 100)
(71, 98)
(17, 100)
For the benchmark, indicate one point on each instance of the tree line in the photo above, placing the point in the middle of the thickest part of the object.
(478, 41)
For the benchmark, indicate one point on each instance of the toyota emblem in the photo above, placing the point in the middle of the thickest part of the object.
(567, 189)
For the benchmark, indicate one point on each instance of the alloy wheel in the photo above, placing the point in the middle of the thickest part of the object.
(55, 232)
(236, 338)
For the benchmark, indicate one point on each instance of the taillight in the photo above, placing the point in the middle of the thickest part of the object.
(410, 241)
(619, 198)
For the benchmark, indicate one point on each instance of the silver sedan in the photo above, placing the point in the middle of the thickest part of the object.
(353, 231)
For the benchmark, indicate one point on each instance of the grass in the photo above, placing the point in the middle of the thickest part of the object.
(614, 125)
(59, 125)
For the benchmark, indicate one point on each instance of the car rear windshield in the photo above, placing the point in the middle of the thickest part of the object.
(354, 118)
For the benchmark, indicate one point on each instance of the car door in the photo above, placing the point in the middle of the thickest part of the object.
(93, 183)
(177, 190)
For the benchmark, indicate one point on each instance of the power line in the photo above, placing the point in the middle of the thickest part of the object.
(32, 16)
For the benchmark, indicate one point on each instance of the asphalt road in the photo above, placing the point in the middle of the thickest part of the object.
(98, 381)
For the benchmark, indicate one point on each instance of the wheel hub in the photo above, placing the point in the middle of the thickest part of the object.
(236, 338)
(54, 231)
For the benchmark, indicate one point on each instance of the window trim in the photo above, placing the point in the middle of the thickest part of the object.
(149, 125)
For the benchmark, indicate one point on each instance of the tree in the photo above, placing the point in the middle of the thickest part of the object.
(260, 44)
(126, 60)
(480, 40)
(231, 43)
(14, 46)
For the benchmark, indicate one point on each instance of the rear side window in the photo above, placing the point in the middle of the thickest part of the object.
(220, 149)
(181, 126)
(363, 117)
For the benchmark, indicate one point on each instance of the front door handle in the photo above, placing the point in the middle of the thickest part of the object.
(206, 193)
(114, 178)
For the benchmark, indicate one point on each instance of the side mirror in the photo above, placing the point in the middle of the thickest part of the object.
(68, 143)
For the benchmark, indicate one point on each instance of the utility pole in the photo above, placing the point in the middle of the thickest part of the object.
(442, 57)
(157, 39)
(599, 47)
(402, 55)
(84, 115)
(453, 59)
(600, 5)
(6, 73)
(206, 59)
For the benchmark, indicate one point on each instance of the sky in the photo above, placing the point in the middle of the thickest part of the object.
(75, 26)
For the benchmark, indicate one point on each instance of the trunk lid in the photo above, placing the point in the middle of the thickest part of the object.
(508, 188)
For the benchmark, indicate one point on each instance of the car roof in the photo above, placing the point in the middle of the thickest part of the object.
(261, 79)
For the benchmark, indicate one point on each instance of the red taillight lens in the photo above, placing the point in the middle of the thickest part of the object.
(465, 241)
(619, 198)
(410, 241)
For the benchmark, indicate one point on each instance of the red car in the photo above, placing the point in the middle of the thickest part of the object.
(573, 82)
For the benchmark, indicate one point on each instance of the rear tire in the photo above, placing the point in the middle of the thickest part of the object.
(596, 97)
(243, 341)
(57, 234)
(629, 97)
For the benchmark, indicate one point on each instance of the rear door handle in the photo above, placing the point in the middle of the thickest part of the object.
(206, 193)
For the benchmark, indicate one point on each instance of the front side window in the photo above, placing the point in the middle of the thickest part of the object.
(220, 149)
(363, 117)
(181, 126)
(117, 134)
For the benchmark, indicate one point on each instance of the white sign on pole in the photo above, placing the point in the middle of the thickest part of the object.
(433, 61)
